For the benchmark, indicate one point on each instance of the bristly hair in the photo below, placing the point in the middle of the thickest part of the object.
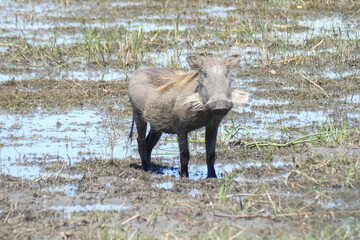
(177, 80)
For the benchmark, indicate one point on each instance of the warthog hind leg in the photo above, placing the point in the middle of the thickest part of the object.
(151, 140)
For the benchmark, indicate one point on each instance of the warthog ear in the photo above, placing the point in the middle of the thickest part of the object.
(195, 62)
(232, 61)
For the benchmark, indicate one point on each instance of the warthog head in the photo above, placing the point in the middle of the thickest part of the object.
(214, 89)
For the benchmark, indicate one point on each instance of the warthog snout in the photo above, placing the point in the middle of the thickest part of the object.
(219, 107)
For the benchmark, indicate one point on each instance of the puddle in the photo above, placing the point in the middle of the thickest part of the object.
(197, 171)
(269, 124)
(267, 102)
(92, 75)
(69, 190)
(216, 11)
(267, 179)
(256, 164)
(125, 4)
(334, 25)
(194, 192)
(67, 137)
(335, 203)
(27, 172)
(32, 172)
(85, 73)
(336, 75)
(351, 98)
(66, 175)
(277, 163)
(164, 185)
(330, 204)
(333, 22)
(89, 207)
(354, 98)
(148, 27)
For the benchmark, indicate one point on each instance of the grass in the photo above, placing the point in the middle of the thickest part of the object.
(128, 49)
(96, 47)
(224, 186)
(327, 133)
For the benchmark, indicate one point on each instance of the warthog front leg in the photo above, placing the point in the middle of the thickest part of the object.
(210, 143)
(184, 154)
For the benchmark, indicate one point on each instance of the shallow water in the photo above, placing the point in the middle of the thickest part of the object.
(199, 171)
(94, 207)
(44, 138)
(25, 172)
(69, 190)
(194, 192)
(216, 11)
(84, 74)
(164, 185)
(330, 23)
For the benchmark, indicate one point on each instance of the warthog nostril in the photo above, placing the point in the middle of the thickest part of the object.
(219, 107)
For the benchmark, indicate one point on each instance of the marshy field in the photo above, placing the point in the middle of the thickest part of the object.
(288, 161)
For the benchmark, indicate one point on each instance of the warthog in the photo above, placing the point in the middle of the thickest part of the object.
(177, 102)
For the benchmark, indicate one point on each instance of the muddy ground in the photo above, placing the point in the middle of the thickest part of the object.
(288, 161)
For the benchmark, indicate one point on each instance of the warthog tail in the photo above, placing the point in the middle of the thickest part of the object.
(131, 131)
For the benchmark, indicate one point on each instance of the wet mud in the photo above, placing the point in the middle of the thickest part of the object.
(288, 161)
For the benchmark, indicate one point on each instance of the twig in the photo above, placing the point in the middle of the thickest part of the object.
(271, 201)
(283, 61)
(78, 84)
(314, 47)
(42, 177)
(8, 44)
(247, 194)
(314, 84)
(25, 57)
(130, 219)
(60, 171)
(271, 216)
(7, 216)
(303, 174)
